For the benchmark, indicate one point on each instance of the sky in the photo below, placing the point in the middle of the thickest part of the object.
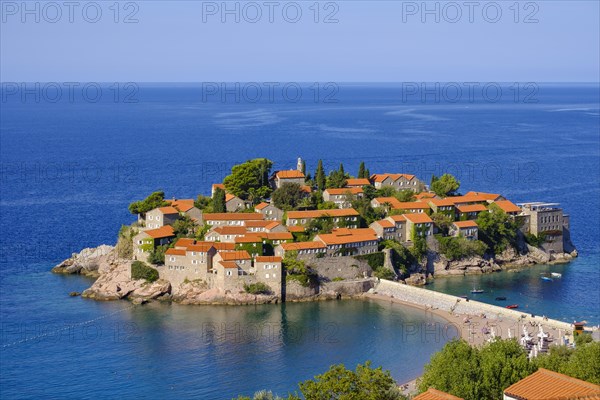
(302, 41)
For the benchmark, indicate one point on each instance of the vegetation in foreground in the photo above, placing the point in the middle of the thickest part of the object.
(483, 373)
(364, 383)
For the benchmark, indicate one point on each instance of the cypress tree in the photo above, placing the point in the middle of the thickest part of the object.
(219, 201)
(342, 168)
(320, 176)
(361, 170)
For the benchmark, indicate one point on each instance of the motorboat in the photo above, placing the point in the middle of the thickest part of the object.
(556, 275)
(477, 291)
(512, 306)
(500, 298)
(545, 278)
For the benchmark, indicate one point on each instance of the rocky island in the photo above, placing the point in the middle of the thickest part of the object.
(265, 237)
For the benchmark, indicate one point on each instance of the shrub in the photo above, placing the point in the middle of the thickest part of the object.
(140, 270)
(535, 241)
(257, 288)
(374, 260)
(384, 273)
(455, 248)
(337, 279)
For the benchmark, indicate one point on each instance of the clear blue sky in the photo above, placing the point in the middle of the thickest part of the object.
(373, 41)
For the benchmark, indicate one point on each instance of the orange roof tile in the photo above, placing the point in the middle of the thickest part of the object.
(229, 197)
(508, 206)
(411, 205)
(221, 246)
(260, 206)
(357, 182)
(441, 202)
(235, 255)
(346, 190)
(175, 252)
(289, 174)
(201, 247)
(249, 238)
(336, 212)
(162, 232)
(258, 224)
(419, 218)
(279, 236)
(232, 216)
(230, 230)
(345, 236)
(272, 224)
(184, 242)
(228, 264)
(218, 186)
(384, 223)
(468, 199)
(391, 200)
(397, 218)
(544, 384)
(394, 177)
(267, 259)
(302, 246)
(471, 208)
(297, 229)
(465, 224)
(182, 205)
(487, 196)
(168, 210)
(425, 195)
(433, 394)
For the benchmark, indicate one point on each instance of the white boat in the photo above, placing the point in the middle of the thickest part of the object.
(556, 275)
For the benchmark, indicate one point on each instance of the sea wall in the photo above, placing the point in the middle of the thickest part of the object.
(441, 301)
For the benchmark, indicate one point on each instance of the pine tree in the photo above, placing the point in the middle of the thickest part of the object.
(320, 176)
(342, 169)
(367, 174)
(361, 170)
(219, 201)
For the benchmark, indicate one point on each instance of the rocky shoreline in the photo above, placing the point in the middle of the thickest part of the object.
(114, 278)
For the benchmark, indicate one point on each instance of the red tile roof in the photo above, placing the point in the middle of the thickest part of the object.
(184, 242)
(394, 177)
(468, 199)
(289, 174)
(391, 200)
(182, 205)
(336, 212)
(425, 195)
(471, 208)
(345, 236)
(411, 205)
(235, 255)
(441, 202)
(258, 224)
(346, 190)
(279, 236)
(297, 229)
(508, 206)
(218, 185)
(267, 259)
(419, 218)
(272, 224)
(222, 247)
(249, 238)
(230, 230)
(433, 394)
(545, 384)
(487, 196)
(306, 189)
(162, 232)
(229, 197)
(357, 182)
(384, 223)
(302, 246)
(397, 218)
(232, 216)
(228, 264)
(175, 252)
(465, 224)
(260, 206)
(168, 210)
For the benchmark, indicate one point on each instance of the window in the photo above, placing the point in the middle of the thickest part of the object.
(171, 258)
(194, 261)
(267, 276)
(228, 273)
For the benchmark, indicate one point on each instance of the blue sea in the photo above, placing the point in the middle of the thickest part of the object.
(70, 166)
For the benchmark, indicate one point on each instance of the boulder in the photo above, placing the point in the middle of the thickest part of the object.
(416, 280)
(89, 261)
(537, 255)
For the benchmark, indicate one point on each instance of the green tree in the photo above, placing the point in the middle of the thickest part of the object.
(337, 179)
(496, 229)
(154, 200)
(361, 170)
(454, 370)
(157, 255)
(583, 364)
(365, 383)
(303, 168)
(140, 270)
(218, 201)
(320, 178)
(253, 174)
(203, 203)
(367, 174)
(288, 196)
(446, 185)
(405, 195)
(184, 227)
(442, 221)
(456, 248)
(369, 192)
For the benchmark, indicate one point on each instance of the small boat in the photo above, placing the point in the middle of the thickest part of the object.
(513, 306)
(545, 278)
(556, 275)
(500, 298)
(476, 291)
(464, 297)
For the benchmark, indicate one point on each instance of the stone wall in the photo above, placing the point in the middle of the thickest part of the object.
(340, 267)
(431, 299)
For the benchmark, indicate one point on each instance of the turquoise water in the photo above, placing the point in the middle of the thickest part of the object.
(69, 170)
(573, 297)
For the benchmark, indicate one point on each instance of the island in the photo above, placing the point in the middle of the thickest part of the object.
(267, 235)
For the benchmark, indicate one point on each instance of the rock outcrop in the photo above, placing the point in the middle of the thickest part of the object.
(89, 261)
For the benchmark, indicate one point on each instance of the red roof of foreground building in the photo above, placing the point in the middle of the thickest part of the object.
(434, 394)
(420, 218)
(162, 232)
(289, 174)
(508, 206)
(268, 259)
(336, 212)
(357, 182)
(465, 224)
(182, 205)
(548, 385)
